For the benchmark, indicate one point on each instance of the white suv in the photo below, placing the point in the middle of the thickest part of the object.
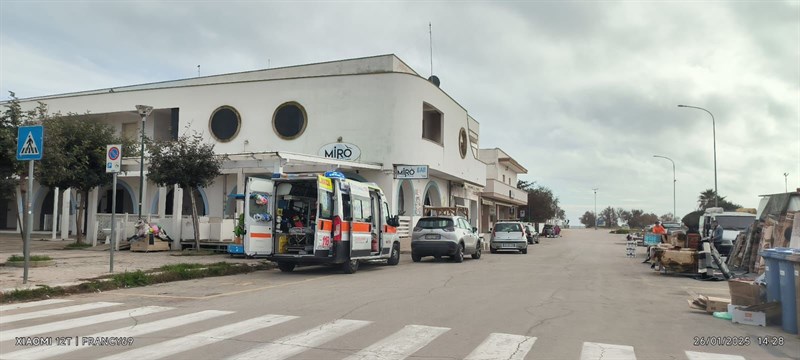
(508, 235)
(439, 236)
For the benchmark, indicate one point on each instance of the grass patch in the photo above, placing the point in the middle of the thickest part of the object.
(166, 273)
(32, 258)
(76, 246)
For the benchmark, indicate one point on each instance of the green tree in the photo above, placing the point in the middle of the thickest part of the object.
(706, 200)
(624, 215)
(74, 157)
(13, 172)
(610, 216)
(588, 219)
(542, 204)
(187, 162)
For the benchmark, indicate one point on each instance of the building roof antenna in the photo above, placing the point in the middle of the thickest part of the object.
(198, 70)
(430, 41)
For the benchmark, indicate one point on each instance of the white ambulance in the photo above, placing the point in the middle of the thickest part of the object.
(316, 219)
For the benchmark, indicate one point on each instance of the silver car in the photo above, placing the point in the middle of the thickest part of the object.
(439, 236)
(508, 235)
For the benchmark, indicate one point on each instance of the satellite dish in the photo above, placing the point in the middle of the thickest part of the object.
(435, 80)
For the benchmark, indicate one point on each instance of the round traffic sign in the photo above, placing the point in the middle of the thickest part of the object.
(113, 153)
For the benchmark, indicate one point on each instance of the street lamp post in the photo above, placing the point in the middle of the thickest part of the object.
(673, 184)
(714, 129)
(595, 207)
(144, 111)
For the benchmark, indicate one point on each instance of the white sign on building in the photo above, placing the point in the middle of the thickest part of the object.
(340, 151)
(411, 171)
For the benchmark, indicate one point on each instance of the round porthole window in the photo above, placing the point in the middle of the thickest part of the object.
(225, 123)
(462, 142)
(289, 120)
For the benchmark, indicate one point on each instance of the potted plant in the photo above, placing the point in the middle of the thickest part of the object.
(238, 230)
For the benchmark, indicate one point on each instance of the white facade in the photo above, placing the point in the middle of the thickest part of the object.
(500, 199)
(376, 104)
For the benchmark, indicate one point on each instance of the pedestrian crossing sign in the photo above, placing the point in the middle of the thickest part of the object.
(29, 142)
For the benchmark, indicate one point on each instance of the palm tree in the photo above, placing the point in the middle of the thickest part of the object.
(705, 200)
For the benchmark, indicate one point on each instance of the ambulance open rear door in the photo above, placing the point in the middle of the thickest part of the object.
(259, 209)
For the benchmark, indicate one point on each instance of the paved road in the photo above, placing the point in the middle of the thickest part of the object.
(576, 297)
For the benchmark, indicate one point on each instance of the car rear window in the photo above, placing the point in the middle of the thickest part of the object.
(507, 227)
(434, 223)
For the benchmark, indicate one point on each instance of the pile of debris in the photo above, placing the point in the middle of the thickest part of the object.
(775, 228)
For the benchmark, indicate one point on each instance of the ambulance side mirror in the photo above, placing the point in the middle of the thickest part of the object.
(393, 221)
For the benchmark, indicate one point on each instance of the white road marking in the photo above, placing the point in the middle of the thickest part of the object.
(32, 304)
(83, 321)
(502, 346)
(208, 337)
(401, 344)
(693, 355)
(294, 344)
(596, 351)
(58, 311)
(128, 331)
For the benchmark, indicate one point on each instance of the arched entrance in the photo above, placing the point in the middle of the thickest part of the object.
(186, 209)
(125, 200)
(432, 196)
(405, 198)
(44, 220)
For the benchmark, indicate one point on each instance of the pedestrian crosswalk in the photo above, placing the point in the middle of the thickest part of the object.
(192, 331)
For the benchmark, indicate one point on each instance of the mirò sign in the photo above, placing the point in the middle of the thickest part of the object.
(340, 151)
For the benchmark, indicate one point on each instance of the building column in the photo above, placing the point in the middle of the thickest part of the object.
(55, 213)
(162, 202)
(65, 201)
(145, 205)
(240, 189)
(177, 215)
(91, 216)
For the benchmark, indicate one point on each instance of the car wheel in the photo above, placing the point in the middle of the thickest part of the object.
(477, 254)
(493, 250)
(394, 257)
(459, 255)
(437, 257)
(524, 251)
(415, 257)
(286, 267)
(350, 266)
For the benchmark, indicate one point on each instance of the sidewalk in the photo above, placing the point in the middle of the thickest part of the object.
(75, 266)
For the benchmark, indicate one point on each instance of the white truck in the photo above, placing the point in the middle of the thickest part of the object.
(732, 222)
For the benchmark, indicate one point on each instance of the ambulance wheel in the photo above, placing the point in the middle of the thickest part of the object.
(350, 267)
(286, 267)
(394, 256)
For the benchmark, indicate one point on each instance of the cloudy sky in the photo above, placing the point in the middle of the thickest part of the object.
(582, 93)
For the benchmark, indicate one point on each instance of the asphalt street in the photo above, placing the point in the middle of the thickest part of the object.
(574, 297)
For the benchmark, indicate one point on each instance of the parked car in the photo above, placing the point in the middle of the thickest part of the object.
(508, 235)
(531, 234)
(439, 236)
(549, 231)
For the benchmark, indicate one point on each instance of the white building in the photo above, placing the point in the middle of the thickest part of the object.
(364, 116)
(501, 199)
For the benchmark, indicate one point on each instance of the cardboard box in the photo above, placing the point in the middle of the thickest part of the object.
(745, 292)
(760, 315)
(715, 304)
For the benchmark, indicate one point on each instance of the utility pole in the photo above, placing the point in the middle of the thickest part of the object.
(786, 182)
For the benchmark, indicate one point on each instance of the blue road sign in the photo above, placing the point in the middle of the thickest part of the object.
(29, 142)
